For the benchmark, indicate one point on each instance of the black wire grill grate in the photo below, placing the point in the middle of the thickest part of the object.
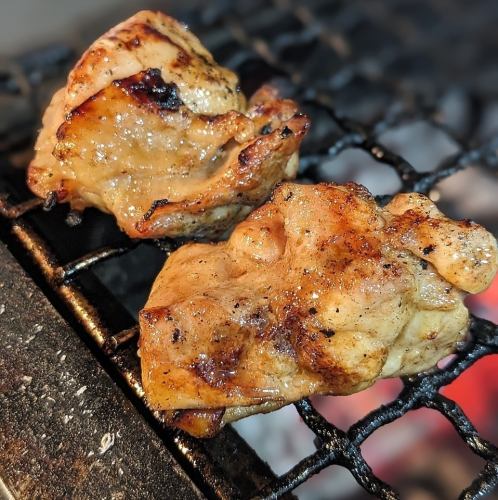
(359, 69)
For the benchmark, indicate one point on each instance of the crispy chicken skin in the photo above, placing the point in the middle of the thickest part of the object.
(152, 130)
(319, 291)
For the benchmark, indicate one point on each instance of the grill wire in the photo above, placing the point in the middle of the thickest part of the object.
(319, 52)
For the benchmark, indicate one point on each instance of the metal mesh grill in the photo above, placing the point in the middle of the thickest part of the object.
(359, 69)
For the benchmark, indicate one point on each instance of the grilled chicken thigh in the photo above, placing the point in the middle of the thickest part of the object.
(152, 130)
(319, 291)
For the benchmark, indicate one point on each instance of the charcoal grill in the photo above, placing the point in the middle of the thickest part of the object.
(359, 69)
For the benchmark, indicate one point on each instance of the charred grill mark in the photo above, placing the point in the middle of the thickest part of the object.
(204, 59)
(280, 337)
(182, 60)
(155, 205)
(291, 331)
(283, 343)
(217, 369)
(309, 351)
(148, 86)
(151, 32)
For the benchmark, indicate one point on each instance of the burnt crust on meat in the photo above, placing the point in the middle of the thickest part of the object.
(149, 88)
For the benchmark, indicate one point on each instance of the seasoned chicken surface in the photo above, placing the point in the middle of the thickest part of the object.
(152, 130)
(319, 291)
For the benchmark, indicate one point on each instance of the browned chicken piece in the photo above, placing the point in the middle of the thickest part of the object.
(152, 130)
(319, 291)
